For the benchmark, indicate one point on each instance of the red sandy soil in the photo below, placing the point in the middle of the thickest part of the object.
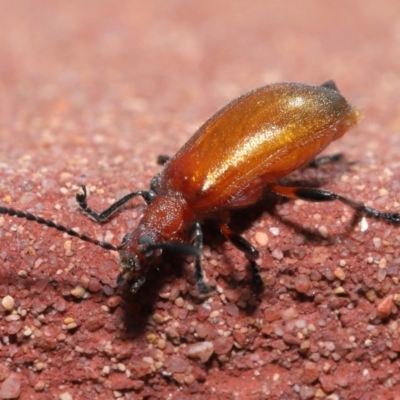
(91, 93)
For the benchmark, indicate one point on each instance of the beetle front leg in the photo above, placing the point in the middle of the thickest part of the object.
(81, 198)
(197, 238)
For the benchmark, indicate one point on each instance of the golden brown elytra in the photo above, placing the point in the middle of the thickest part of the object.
(244, 149)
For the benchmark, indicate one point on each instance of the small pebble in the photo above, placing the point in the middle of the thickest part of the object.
(327, 383)
(148, 360)
(307, 392)
(364, 224)
(385, 306)
(8, 303)
(27, 332)
(78, 292)
(276, 377)
(178, 365)
(214, 314)
(310, 373)
(114, 301)
(289, 314)
(39, 366)
(22, 274)
(201, 351)
(339, 290)
(323, 231)
(370, 295)
(302, 283)
(232, 309)
(277, 254)
(396, 299)
(381, 275)
(121, 367)
(223, 345)
(39, 386)
(339, 273)
(179, 302)
(274, 231)
(261, 238)
(158, 318)
(151, 337)
(330, 346)
(11, 387)
(71, 326)
(161, 343)
(376, 242)
(66, 396)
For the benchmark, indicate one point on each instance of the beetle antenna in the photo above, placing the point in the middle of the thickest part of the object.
(51, 224)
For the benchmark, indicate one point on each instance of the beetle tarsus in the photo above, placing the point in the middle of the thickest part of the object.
(256, 281)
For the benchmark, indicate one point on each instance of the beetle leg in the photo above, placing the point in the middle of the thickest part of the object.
(325, 160)
(81, 198)
(162, 159)
(330, 85)
(319, 195)
(249, 251)
(241, 243)
(197, 238)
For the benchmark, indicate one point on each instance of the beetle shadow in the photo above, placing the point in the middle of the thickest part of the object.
(317, 177)
(138, 308)
(311, 177)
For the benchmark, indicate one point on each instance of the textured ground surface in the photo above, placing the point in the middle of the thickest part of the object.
(92, 92)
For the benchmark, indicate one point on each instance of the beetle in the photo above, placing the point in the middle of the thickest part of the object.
(237, 154)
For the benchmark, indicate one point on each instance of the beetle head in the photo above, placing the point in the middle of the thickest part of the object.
(135, 258)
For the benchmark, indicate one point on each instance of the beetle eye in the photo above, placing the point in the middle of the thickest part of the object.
(144, 240)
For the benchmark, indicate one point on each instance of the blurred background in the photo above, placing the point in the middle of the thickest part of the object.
(152, 72)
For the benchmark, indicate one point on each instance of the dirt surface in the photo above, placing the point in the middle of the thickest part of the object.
(91, 93)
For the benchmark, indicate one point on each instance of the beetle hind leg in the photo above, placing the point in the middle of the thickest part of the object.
(241, 243)
(320, 195)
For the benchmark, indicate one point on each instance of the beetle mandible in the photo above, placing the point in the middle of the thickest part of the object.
(242, 150)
